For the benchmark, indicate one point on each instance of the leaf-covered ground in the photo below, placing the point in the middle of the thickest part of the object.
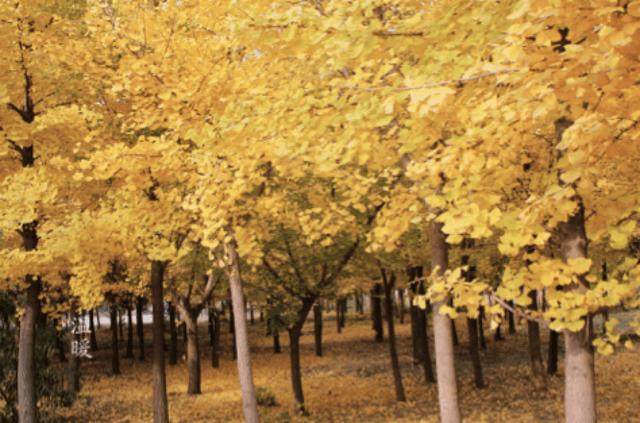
(352, 382)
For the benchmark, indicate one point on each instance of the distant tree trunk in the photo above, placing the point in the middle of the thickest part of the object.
(190, 318)
(580, 393)
(98, 318)
(339, 316)
(535, 346)
(234, 350)
(483, 341)
(294, 355)
(512, 320)
(261, 316)
(93, 340)
(454, 331)
(249, 403)
(358, 300)
(472, 326)
(605, 313)
(395, 365)
(498, 335)
(59, 341)
(160, 404)
(445, 364)
(429, 376)
(552, 358)
(73, 368)
(139, 328)
(129, 352)
(401, 305)
(251, 315)
(317, 327)
(120, 325)
(376, 310)
(344, 309)
(173, 335)
(214, 321)
(277, 349)
(115, 354)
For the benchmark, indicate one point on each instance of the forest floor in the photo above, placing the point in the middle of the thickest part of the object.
(352, 383)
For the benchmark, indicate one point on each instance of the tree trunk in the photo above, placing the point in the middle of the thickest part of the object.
(249, 403)
(317, 328)
(445, 364)
(140, 328)
(498, 335)
(26, 375)
(129, 352)
(429, 376)
(296, 374)
(454, 333)
(483, 341)
(395, 364)
(251, 315)
(535, 347)
(173, 335)
(73, 367)
(376, 311)
(115, 353)
(401, 308)
(512, 320)
(580, 392)
(92, 334)
(193, 352)
(160, 404)
(277, 349)
(215, 337)
(59, 342)
(120, 325)
(98, 318)
(552, 358)
(472, 326)
(339, 316)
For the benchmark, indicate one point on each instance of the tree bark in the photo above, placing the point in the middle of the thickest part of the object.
(445, 364)
(160, 404)
(401, 305)
(376, 312)
(140, 328)
(395, 364)
(277, 349)
(472, 326)
(120, 325)
(115, 353)
(317, 328)
(552, 358)
(580, 392)
(483, 341)
(294, 354)
(215, 337)
(249, 403)
(339, 316)
(173, 335)
(98, 318)
(92, 330)
(193, 352)
(535, 346)
(512, 320)
(129, 351)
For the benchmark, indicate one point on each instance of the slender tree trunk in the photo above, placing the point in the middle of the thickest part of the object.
(376, 310)
(92, 334)
(344, 309)
(483, 341)
(160, 404)
(395, 364)
(215, 338)
(249, 403)
(580, 392)
(296, 373)
(445, 364)
(454, 333)
(277, 349)
(115, 353)
(251, 315)
(498, 335)
(59, 342)
(73, 367)
(512, 320)
(26, 376)
(129, 352)
(429, 375)
(139, 328)
(401, 308)
(120, 325)
(535, 346)
(98, 318)
(339, 316)
(193, 352)
(173, 335)
(317, 327)
(552, 359)
(472, 326)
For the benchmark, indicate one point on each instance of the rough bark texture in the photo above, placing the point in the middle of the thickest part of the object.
(160, 404)
(140, 328)
(445, 365)
(249, 403)
(115, 353)
(580, 393)
(376, 312)
(395, 364)
(317, 328)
